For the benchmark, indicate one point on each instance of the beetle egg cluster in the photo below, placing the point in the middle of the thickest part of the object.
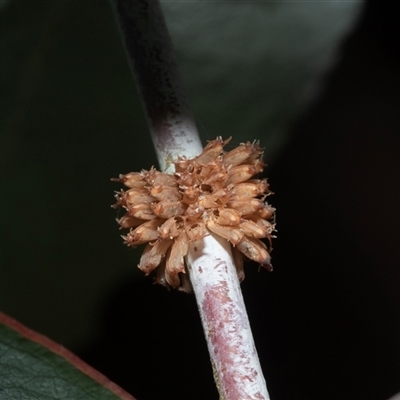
(212, 193)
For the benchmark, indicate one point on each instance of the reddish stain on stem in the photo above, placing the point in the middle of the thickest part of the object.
(224, 327)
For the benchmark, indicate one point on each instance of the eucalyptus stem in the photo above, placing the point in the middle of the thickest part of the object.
(237, 370)
(211, 268)
(155, 69)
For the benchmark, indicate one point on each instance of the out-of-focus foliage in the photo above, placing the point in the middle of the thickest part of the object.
(251, 67)
(70, 119)
(30, 370)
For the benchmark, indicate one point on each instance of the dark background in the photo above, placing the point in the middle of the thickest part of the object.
(326, 321)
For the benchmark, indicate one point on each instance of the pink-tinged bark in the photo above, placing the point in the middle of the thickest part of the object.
(230, 342)
(210, 264)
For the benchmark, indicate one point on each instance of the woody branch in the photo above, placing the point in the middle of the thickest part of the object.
(210, 265)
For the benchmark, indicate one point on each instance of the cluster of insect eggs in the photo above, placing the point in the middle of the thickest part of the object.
(212, 193)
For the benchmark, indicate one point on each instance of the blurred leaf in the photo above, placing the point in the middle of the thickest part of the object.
(252, 67)
(3, 3)
(70, 119)
(67, 105)
(33, 367)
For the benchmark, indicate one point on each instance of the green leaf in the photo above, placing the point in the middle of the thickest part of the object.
(252, 67)
(34, 367)
(70, 120)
